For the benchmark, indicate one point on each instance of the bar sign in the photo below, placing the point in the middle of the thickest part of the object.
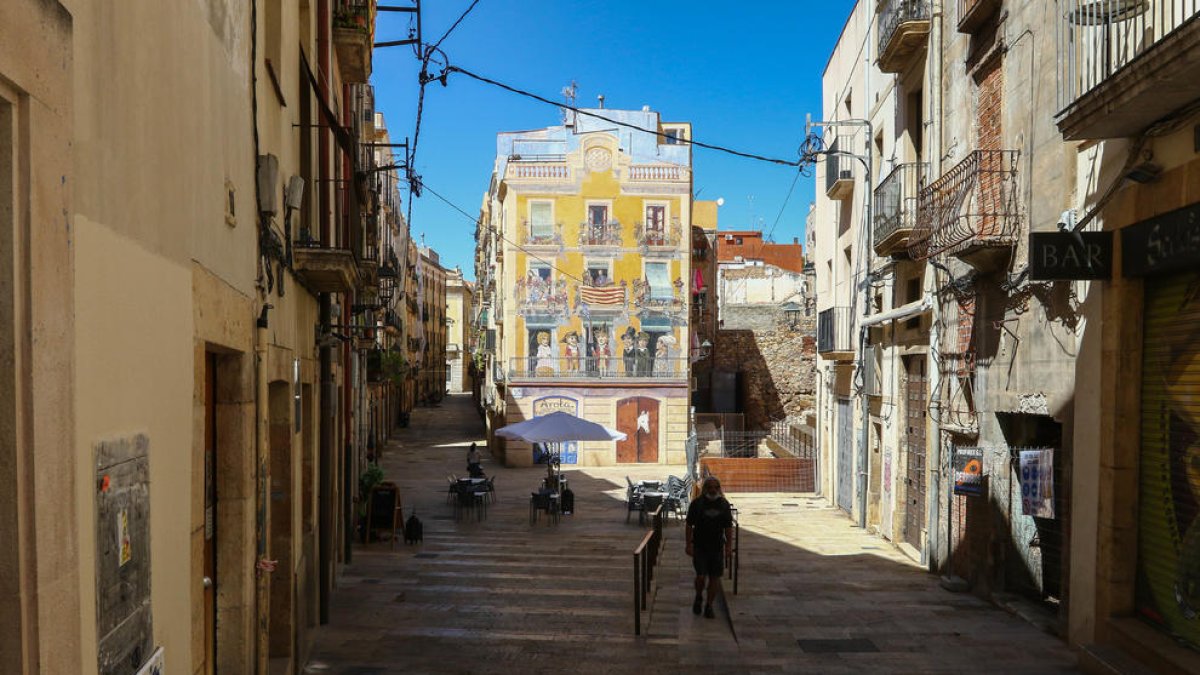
(1070, 255)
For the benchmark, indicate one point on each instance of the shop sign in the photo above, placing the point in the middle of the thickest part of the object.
(568, 451)
(1166, 243)
(968, 471)
(1070, 255)
(1037, 483)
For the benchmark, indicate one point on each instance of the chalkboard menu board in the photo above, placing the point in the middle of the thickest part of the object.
(383, 510)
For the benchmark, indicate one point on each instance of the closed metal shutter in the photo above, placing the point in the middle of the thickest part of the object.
(845, 454)
(916, 395)
(1168, 581)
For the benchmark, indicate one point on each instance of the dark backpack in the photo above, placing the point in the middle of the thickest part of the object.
(413, 530)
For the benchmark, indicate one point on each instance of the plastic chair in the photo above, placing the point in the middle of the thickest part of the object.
(543, 501)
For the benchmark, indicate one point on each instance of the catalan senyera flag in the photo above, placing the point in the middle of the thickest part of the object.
(605, 295)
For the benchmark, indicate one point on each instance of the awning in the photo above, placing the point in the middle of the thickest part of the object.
(902, 312)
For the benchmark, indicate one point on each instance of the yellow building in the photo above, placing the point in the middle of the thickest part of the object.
(584, 267)
(460, 296)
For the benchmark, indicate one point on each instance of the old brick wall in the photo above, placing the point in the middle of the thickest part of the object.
(777, 361)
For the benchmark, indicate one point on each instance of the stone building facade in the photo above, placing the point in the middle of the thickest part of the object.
(187, 210)
(773, 353)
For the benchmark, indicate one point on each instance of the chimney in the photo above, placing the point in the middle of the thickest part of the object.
(601, 99)
(795, 241)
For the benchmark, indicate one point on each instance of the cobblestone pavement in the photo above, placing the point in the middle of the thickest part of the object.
(498, 595)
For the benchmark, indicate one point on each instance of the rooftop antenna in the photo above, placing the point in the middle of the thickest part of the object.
(601, 99)
(569, 92)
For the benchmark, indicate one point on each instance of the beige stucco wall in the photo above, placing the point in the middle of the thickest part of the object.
(39, 628)
(133, 341)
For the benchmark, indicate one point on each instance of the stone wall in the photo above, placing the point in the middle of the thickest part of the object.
(777, 360)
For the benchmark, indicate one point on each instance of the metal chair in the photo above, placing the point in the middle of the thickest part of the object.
(543, 501)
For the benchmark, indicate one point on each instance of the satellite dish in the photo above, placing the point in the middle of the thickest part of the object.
(720, 201)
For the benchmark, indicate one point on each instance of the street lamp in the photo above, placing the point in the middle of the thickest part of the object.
(792, 312)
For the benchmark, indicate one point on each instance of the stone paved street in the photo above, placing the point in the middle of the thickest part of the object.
(501, 596)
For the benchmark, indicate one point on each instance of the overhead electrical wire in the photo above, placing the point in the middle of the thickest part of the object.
(454, 25)
(475, 220)
(628, 125)
(795, 179)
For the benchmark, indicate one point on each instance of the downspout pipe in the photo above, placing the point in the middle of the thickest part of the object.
(264, 565)
(325, 452)
(933, 554)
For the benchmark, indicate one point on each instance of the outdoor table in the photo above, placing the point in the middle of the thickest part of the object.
(649, 485)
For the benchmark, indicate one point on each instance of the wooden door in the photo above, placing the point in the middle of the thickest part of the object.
(638, 418)
(210, 514)
(627, 412)
(914, 437)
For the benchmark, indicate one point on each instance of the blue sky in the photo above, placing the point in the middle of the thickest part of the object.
(744, 74)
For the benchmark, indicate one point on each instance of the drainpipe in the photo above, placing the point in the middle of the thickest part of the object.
(263, 564)
(932, 553)
(325, 452)
(325, 442)
(348, 452)
(863, 399)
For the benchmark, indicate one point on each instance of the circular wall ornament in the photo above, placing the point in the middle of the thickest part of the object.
(598, 159)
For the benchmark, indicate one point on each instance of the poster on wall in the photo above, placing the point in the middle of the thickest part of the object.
(1037, 482)
(968, 471)
(568, 452)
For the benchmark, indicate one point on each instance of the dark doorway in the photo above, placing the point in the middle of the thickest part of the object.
(915, 383)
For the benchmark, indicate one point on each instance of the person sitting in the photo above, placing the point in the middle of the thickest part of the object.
(474, 468)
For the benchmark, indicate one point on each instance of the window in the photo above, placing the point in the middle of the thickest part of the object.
(598, 273)
(738, 241)
(540, 270)
(675, 136)
(657, 275)
(656, 218)
(541, 220)
(597, 214)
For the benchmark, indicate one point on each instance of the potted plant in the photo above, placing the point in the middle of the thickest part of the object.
(366, 482)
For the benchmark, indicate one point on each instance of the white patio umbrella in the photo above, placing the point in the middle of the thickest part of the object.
(558, 427)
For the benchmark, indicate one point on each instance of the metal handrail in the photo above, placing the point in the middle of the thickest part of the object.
(645, 559)
(732, 563)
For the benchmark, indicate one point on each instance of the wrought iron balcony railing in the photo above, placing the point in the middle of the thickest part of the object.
(839, 168)
(1124, 64)
(535, 295)
(896, 207)
(353, 33)
(600, 234)
(833, 332)
(903, 30)
(618, 366)
(647, 296)
(662, 235)
(973, 206)
(548, 234)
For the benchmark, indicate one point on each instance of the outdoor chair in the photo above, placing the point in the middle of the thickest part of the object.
(543, 501)
(451, 489)
(649, 503)
(490, 489)
(633, 501)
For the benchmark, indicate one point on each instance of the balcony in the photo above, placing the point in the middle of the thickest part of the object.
(903, 32)
(973, 14)
(895, 204)
(657, 173)
(649, 299)
(659, 238)
(545, 235)
(1124, 64)
(648, 367)
(543, 298)
(839, 169)
(603, 300)
(600, 235)
(538, 168)
(325, 269)
(834, 340)
(353, 32)
(972, 211)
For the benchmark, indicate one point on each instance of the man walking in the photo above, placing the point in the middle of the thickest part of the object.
(709, 541)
